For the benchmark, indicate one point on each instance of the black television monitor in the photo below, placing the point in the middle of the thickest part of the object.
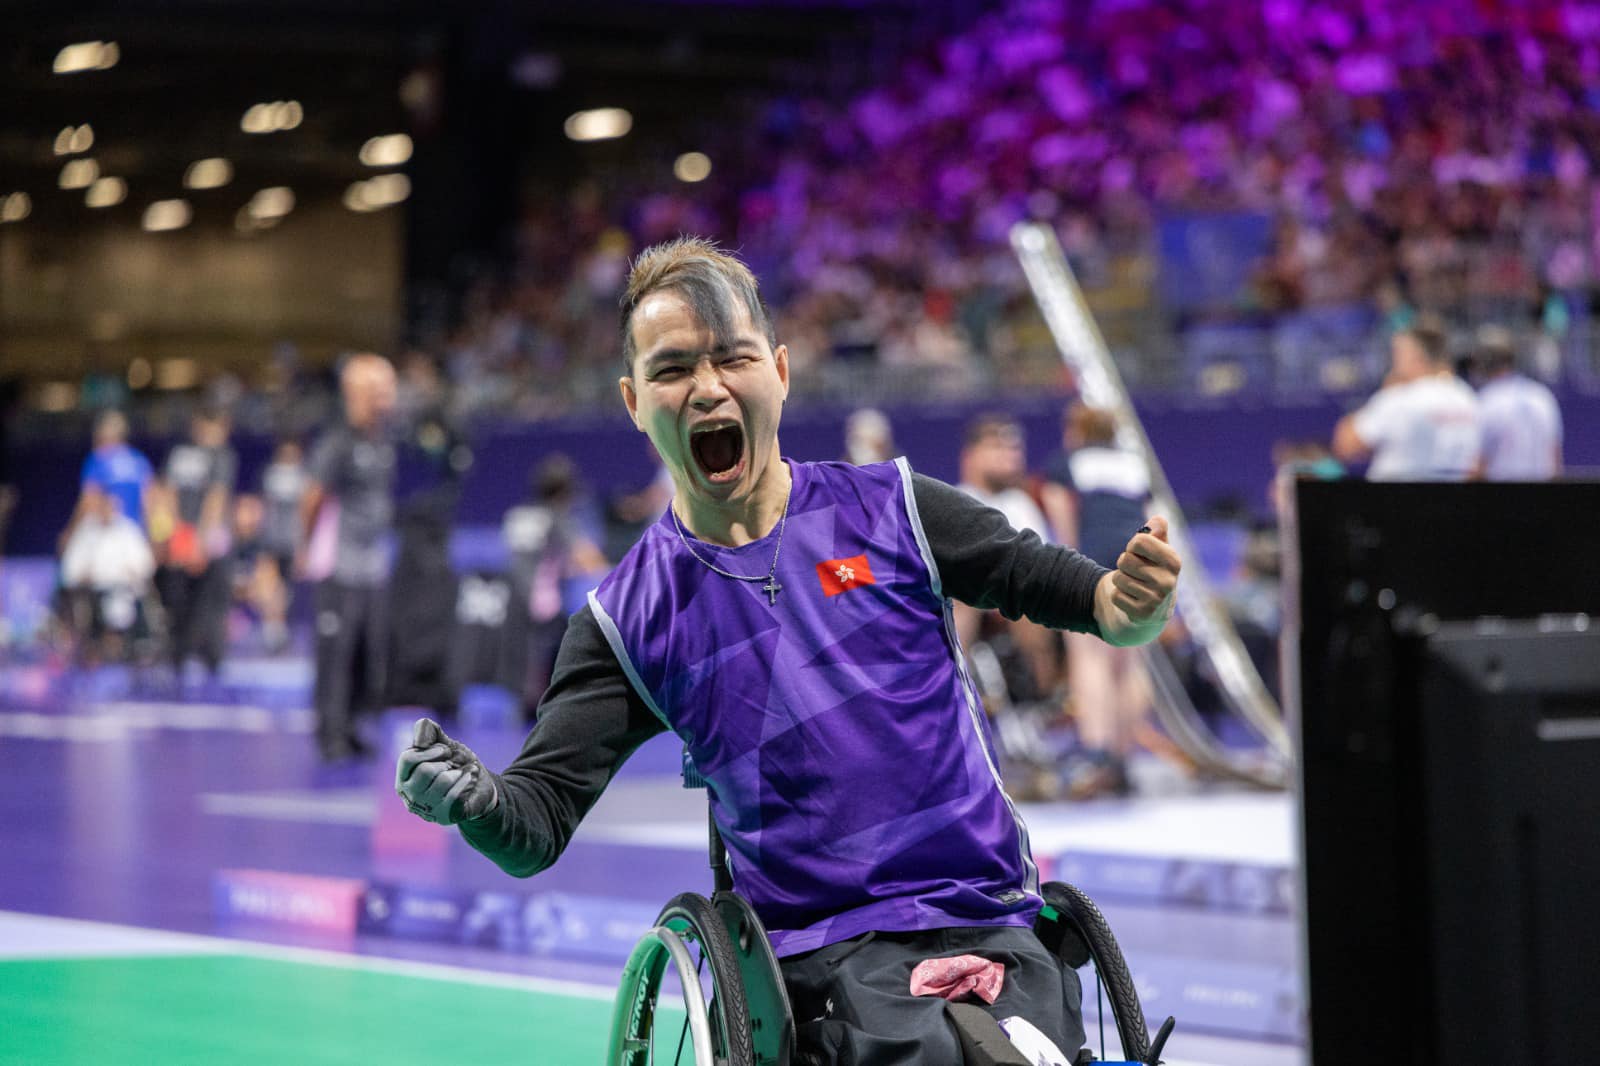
(1443, 657)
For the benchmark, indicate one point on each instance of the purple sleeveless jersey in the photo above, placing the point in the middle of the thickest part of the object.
(850, 767)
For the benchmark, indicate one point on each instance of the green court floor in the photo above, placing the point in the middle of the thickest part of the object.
(221, 1010)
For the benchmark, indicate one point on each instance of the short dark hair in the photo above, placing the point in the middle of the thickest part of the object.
(989, 424)
(707, 278)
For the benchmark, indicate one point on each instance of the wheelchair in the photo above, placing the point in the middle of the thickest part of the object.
(737, 1006)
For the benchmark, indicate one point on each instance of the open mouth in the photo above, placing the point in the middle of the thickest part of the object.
(719, 451)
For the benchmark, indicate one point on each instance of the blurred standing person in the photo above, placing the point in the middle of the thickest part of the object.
(345, 517)
(550, 539)
(1521, 419)
(283, 486)
(115, 469)
(432, 458)
(868, 437)
(199, 477)
(1424, 424)
(993, 466)
(1095, 495)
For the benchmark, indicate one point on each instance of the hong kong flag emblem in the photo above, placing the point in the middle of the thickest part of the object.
(842, 575)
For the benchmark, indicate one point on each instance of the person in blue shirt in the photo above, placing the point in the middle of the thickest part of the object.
(105, 545)
(114, 468)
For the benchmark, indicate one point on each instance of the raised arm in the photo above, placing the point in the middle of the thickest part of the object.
(984, 562)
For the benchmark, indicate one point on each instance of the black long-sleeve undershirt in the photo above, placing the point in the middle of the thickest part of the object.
(591, 718)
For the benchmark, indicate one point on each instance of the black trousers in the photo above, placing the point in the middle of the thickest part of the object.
(853, 1004)
(197, 611)
(350, 659)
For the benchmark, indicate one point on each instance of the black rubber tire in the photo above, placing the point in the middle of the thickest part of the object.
(1109, 965)
(692, 914)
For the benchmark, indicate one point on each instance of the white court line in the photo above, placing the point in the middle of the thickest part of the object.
(349, 806)
(32, 936)
(105, 722)
(39, 937)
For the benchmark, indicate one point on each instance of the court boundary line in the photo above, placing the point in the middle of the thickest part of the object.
(217, 945)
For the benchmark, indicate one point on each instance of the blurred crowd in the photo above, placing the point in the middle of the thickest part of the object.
(1253, 196)
(1399, 158)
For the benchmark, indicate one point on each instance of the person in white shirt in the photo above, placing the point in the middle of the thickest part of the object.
(1521, 419)
(993, 468)
(1424, 424)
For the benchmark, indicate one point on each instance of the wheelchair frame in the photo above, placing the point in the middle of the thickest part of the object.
(748, 1020)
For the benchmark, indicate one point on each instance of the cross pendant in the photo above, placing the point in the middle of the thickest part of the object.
(771, 588)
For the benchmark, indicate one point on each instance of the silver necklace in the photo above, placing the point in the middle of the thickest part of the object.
(771, 588)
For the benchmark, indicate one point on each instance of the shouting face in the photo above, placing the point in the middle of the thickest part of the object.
(710, 404)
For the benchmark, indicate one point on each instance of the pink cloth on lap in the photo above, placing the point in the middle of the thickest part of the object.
(955, 977)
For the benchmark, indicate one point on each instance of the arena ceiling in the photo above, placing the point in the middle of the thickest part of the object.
(186, 73)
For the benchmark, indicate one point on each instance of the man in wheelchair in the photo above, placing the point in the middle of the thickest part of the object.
(791, 622)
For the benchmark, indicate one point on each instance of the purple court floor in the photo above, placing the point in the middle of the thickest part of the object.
(209, 812)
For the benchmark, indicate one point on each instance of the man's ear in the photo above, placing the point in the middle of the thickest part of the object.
(630, 400)
(780, 357)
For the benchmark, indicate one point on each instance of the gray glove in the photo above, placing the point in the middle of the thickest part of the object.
(440, 779)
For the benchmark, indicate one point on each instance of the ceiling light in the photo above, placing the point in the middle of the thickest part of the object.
(271, 203)
(355, 197)
(208, 174)
(79, 174)
(16, 207)
(387, 189)
(258, 119)
(74, 139)
(167, 215)
(600, 124)
(270, 118)
(249, 224)
(87, 55)
(106, 192)
(388, 151)
(692, 167)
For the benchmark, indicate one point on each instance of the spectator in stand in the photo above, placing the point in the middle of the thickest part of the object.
(1521, 419)
(197, 581)
(1424, 424)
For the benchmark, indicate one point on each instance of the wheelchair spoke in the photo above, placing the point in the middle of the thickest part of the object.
(1100, 1010)
(698, 966)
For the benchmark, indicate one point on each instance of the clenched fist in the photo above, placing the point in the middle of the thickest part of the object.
(441, 780)
(1133, 602)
